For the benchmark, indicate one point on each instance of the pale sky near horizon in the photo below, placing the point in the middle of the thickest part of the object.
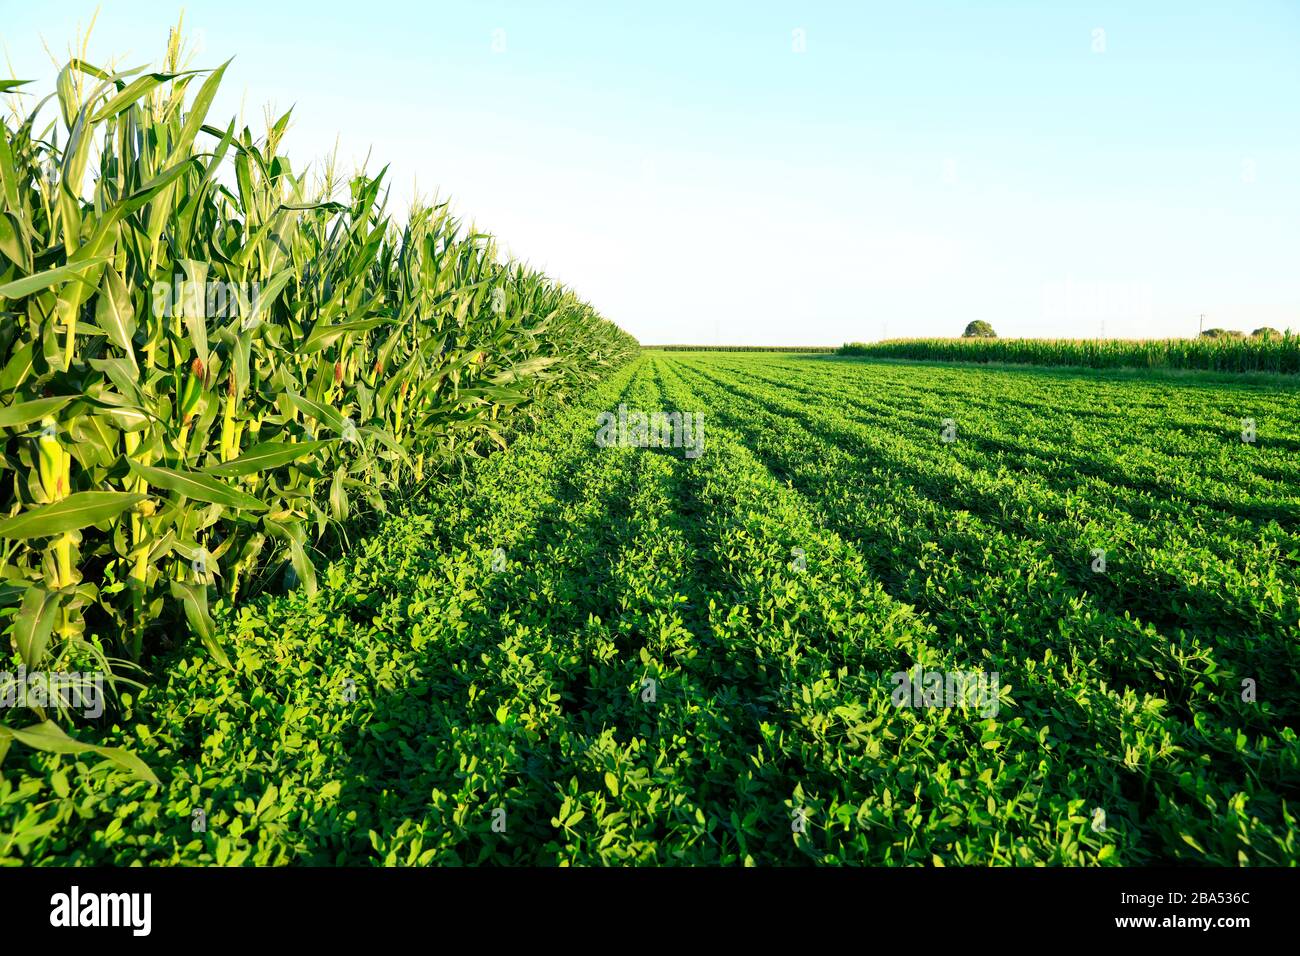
(799, 173)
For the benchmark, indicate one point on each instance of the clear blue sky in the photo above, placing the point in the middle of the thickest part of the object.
(916, 166)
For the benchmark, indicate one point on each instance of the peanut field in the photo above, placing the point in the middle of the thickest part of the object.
(752, 608)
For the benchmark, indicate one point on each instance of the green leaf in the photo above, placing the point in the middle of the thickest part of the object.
(267, 293)
(18, 367)
(35, 623)
(194, 597)
(338, 496)
(196, 275)
(49, 737)
(197, 485)
(268, 799)
(322, 336)
(43, 280)
(24, 413)
(526, 369)
(1192, 843)
(114, 312)
(132, 92)
(312, 409)
(267, 455)
(75, 511)
(198, 110)
(292, 534)
(387, 440)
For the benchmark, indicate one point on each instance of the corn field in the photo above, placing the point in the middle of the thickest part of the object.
(1276, 354)
(211, 362)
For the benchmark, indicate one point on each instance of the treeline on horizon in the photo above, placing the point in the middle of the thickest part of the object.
(1279, 354)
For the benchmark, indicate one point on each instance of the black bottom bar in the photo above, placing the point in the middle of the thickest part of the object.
(925, 907)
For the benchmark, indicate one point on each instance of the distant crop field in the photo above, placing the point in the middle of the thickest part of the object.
(1279, 354)
(772, 609)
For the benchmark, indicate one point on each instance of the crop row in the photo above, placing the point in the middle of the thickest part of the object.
(1167, 678)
